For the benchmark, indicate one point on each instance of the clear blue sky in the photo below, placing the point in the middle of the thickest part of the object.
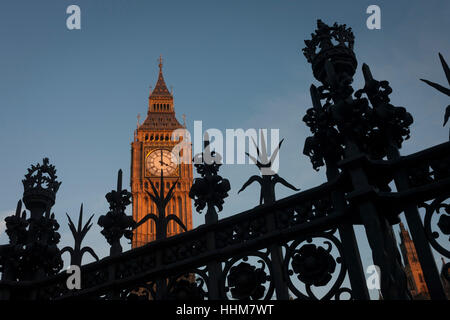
(73, 96)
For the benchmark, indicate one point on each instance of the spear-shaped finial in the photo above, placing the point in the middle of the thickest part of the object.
(119, 181)
(269, 178)
(440, 88)
(77, 252)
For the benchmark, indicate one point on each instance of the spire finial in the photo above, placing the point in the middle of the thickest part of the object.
(160, 63)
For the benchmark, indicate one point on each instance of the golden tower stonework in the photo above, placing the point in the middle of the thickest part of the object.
(151, 153)
(414, 274)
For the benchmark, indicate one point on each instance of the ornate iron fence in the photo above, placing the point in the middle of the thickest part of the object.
(300, 247)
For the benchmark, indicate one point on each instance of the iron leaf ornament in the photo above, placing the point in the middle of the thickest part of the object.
(115, 223)
(268, 178)
(211, 189)
(78, 233)
(442, 89)
(161, 200)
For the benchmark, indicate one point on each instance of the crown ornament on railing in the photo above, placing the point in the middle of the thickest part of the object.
(334, 44)
(40, 185)
(344, 123)
(211, 189)
(116, 223)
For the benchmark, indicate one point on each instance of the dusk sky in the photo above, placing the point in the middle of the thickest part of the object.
(73, 95)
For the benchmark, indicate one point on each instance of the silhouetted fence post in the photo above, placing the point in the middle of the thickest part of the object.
(349, 131)
(116, 224)
(210, 190)
(380, 100)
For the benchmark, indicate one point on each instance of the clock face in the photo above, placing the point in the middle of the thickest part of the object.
(161, 159)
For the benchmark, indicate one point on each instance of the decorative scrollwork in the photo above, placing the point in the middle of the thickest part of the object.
(184, 250)
(305, 212)
(244, 281)
(141, 292)
(191, 286)
(241, 232)
(315, 266)
(443, 223)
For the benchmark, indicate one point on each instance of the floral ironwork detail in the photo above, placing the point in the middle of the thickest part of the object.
(10, 254)
(211, 189)
(438, 206)
(41, 256)
(116, 224)
(345, 121)
(314, 265)
(246, 282)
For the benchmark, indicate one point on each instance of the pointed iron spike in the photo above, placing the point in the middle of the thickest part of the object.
(256, 146)
(68, 218)
(445, 67)
(80, 217)
(275, 152)
(255, 161)
(155, 192)
(205, 140)
(447, 114)
(437, 86)
(367, 73)
(90, 218)
(264, 158)
(317, 105)
(162, 185)
(170, 192)
(119, 180)
(18, 208)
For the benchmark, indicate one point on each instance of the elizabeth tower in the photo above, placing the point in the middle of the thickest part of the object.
(152, 153)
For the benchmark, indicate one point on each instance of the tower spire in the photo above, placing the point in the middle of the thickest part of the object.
(160, 89)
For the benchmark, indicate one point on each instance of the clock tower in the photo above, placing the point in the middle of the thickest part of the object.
(152, 151)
